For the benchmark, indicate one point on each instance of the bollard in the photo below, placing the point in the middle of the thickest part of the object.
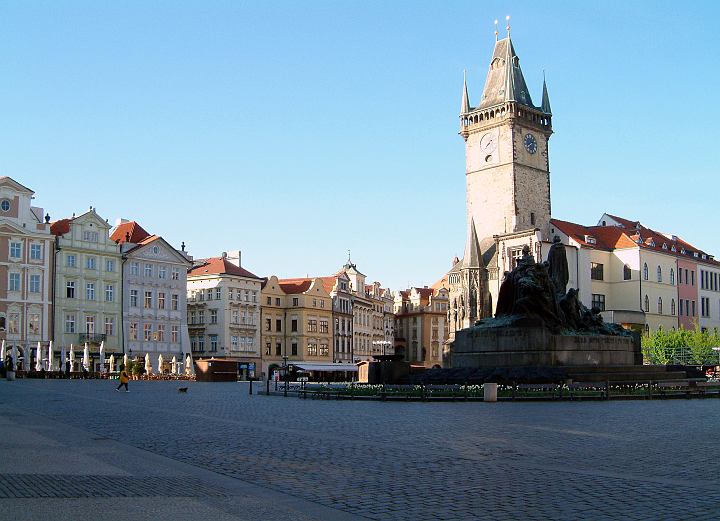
(489, 392)
(250, 386)
(267, 391)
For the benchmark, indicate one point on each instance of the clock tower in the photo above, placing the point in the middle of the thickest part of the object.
(507, 176)
(506, 152)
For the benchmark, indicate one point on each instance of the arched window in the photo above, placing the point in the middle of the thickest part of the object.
(646, 307)
(672, 276)
(645, 271)
(659, 274)
(659, 305)
(627, 272)
(672, 307)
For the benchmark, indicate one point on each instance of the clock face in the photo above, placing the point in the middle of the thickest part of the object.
(530, 143)
(488, 143)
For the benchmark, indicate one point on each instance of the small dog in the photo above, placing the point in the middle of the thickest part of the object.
(182, 389)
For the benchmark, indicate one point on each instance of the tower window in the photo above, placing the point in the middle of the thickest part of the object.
(532, 218)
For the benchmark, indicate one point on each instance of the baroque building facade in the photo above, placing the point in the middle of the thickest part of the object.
(299, 312)
(154, 293)
(27, 250)
(421, 326)
(88, 286)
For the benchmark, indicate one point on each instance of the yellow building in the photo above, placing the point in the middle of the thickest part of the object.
(421, 326)
(296, 323)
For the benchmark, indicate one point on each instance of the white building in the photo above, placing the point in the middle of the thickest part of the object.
(154, 295)
(224, 311)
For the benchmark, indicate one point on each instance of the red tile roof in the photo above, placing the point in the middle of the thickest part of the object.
(606, 237)
(60, 227)
(328, 283)
(220, 266)
(626, 236)
(130, 229)
(442, 283)
(294, 286)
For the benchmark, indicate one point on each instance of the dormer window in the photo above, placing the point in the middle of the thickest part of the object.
(695, 254)
(664, 246)
(682, 250)
(590, 239)
(673, 248)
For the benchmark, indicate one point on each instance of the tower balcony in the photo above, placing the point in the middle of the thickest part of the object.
(482, 117)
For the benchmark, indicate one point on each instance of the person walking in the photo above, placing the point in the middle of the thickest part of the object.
(124, 379)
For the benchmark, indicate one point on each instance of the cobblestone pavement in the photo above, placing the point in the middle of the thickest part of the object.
(415, 461)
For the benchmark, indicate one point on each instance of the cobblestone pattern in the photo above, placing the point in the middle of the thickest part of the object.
(74, 486)
(416, 461)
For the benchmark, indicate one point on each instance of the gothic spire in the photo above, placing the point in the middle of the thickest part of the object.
(545, 98)
(473, 257)
(465, 105)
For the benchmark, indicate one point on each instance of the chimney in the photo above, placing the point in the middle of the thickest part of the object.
(233, 257)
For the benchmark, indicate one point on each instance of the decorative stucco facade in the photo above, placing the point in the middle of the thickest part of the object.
(88, 287)
(154, 295)
(27, 250)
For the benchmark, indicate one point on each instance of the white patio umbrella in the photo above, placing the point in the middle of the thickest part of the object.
(160, 363)
(50, 356)
(174, 365)
(102, 356)
(2, 351)
(148, 365)
(188, 365)
(62, 358)
(38, 360)
(125, 361)
(112, 363)
(86, 357)
(72, 357)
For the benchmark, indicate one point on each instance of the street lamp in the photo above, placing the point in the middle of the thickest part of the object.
(287, 376)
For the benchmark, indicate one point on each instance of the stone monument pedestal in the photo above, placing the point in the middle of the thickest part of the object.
(534, 346)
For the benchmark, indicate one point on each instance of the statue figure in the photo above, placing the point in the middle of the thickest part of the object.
(558, 266)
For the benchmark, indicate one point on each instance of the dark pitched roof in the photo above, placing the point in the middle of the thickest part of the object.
(505, 81)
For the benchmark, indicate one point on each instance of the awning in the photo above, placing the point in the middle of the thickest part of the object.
(326, 367)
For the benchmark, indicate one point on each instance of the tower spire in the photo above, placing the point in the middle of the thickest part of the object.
(545, 106)
(496, 30)
(465, 104)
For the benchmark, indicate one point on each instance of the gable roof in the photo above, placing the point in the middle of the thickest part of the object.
(220, 266)
(17, 186)
(154, 238)
(131, 229)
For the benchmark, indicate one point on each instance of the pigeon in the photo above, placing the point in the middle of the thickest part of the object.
(182, 389)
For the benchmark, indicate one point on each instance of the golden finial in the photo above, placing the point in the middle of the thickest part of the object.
(507, 19)
(496, 31)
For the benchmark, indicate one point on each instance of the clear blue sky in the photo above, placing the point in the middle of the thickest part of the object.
(297, 130)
